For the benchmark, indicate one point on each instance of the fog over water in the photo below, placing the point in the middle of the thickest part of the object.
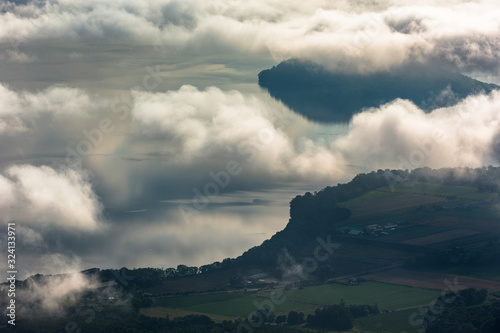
(135, 133)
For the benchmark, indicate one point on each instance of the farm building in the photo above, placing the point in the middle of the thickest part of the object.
(257, 276)
(251, 291)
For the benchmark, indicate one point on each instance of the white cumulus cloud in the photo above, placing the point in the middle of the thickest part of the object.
(400, 135)
(209, 124)
(41, 196)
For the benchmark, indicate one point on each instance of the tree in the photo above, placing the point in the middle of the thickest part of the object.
(324, 272)
(295, 318)
(271, 317)
(335, 317)
(182, 270)
(301, 318)
(280, 319)
(170, 272)
(237, 281)
(472, 296)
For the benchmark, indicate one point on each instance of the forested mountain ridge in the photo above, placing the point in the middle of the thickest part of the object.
(319, 213)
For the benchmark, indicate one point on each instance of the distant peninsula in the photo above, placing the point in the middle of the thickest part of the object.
(324, 96)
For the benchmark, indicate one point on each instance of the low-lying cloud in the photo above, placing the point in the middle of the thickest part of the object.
(255, 131)
(172, 143)
(63, 178)
(50, 295)
(42, 196)
(400, 135)
(20, 110)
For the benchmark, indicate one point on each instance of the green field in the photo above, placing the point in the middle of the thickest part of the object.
(464, 241)
(468, 192)
(414, 231)
(464, 192)
(480, 272)
(191, 300)
(387, 296)
(370, 196)
(483, 213)
(228, 304)
(392, 322)
(244, 306)
(161, 312)
(225, 304)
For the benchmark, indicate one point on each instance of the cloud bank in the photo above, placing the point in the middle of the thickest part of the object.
(165, 143)
(42, 196)
(50, 296)
(400, 135)
(207, 124)
(19, 111)
(342, 36)
(169, 145)
(258, 132)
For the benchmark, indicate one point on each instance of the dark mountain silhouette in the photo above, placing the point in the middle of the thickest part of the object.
(324, 96)
(314, 215)
(318, 215)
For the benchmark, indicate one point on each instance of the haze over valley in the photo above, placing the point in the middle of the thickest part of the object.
(162, 133)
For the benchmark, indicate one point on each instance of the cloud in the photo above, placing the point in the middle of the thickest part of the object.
(400, 135)
(210, 124)
(389, 37)
(342, 36)
(19, 111)
(172, 142)
(175, 138)
(52, 294)
(203, 130)
(29, 237)
(41, 197)
(75, 56)
(18, 57)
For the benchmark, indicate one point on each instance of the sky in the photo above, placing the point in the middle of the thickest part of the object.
(135, 133)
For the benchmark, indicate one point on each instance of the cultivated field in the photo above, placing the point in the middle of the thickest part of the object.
(466, 192)
(414, 231)
(231, 305)
(161, 312)
(247, 305)
(482, 272)
(393, 322)
(432, 280)
(387, 296)
(390, 203)
(193, 300)
(370, 196)
(441, 237)
(462, 223)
